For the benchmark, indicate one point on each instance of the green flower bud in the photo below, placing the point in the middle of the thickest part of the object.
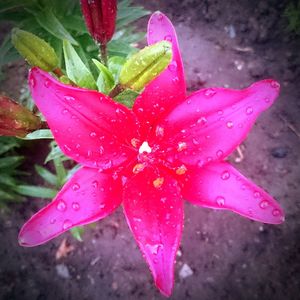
(16, 120)
(145, 65)
(36, 51)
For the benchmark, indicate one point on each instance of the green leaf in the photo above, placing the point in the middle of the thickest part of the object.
(36, 191)
(127, 98)
(46, 175)
(115, 65)
(39, 134)
(55, 152)
(10, 161)
(13, 4)
(77, 232)
(50, 23)
(76, 69)
(8, 196)
(119, 48)
(60, 171)
(7, 180)
(105, 80)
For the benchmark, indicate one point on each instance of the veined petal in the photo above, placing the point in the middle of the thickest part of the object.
(88, 126)
(168, 89)
(211, 123)
(87, 197)
(220, 185)
(154, 212)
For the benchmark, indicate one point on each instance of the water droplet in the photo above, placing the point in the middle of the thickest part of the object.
(175, 80)
(229, 124)
(93, 134)
(275, 84)
(195, 142)
(276, 212)
(61, 205)
(202, 121)
(69, 98)
(168, 38)
(159, 131)
(47, 83)
(172, 66)
(220, 201)
(52, 221)
(181, 170)
(209, 92)
(158, 182)
(75, 206)
(181, 146)
(249, 110)
(163, 199)
(256, 194)
(264, 204)
(220, 112)
(67, 224)
(160, 17)
(220, 153)
(225, 175)
(200, 163)
(139, 220)
(32, 81)
(64, 111)
(267, 100)
(75, 187)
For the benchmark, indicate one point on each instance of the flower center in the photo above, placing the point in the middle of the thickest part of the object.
(145, 148)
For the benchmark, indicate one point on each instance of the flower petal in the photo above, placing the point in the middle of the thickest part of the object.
(211, 123)
(154, 212)
(88, 126)
(87, 197)
(168, 89)
(220, 185)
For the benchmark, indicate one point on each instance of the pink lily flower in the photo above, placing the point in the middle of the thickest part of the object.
(169, 147)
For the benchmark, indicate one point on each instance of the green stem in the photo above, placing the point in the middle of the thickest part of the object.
(103, 54)
(118, 89)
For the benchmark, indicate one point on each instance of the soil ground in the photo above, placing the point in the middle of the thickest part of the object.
(223, 43)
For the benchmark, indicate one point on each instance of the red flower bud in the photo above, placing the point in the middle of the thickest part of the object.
(100, 18)
(16, 120)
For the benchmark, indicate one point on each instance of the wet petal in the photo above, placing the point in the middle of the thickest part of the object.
(88, 126)
(168, 89)
(211, 123)
(87, 197)
(219, 185)
(154, 212)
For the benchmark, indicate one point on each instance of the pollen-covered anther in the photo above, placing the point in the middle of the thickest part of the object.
(135, 142)
(181, 146)
(158, 182)
(145, 148)
(181, 170)
(138, 168)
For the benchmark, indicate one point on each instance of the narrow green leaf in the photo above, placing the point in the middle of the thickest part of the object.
(36, 191)
(115, 65)
(60, 171)
(50, 23)
(46, 175)
(10, 161)
(39, 134)
(127, 97)
(77, 232)
(76, 69)
(105, 81)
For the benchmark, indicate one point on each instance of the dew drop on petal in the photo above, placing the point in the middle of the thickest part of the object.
(93, 134)
(160, 17)
(64, 111)
(52, 221)
(209, 92)
(220, 153)
(264, 204)
(181, 146)
(249, 110)
(202, 121)
(95, 184)
(220, 112)
(229, 124)
(172, 66)
(220, 201)
(47, 83)
(225, 175)
(75, 187)
(67, 224)
(168, 38)
(69, 98)
(275, 84)
(61, 205)
(134, 142)
(32, 81)
(159, 131)
(175, 80)
(75, 206)
(267, 100)
(256, 194)
(276, 212)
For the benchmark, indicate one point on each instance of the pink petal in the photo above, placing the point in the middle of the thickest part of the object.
(219, 185)
(87, 197)
(211, 123)
(168, 89)
(155, 217)
(88, 126)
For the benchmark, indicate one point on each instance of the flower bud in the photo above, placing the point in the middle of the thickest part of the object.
(145, 65)
(100, 18)
(16, 120)
(36, 51)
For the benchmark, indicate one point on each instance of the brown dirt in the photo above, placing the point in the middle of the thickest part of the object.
(230, 256)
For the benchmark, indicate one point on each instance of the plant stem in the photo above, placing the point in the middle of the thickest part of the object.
(118, 89)
(103, 54)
